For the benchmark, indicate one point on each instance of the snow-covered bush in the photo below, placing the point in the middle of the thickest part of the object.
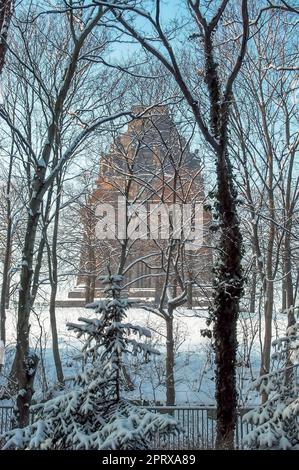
(95, 414)
(276, 422)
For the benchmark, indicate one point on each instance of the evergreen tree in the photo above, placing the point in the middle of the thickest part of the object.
(276, 422)
(95, 415)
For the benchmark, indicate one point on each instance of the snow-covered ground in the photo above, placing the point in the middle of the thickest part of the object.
(188, 322)
(149, 378)
(194, 368)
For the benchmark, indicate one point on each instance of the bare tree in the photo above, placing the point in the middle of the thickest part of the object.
(265, 147)
(42, 172)
(228, 272)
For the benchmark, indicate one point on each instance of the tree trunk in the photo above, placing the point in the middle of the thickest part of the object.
(5, 15)
(29, 279)
(55, 346)
(38, 265)
(170, 388)
(90, 262)
(7, 296)
(25, 394)
(268, 281)
(5, 282)
(158, 290)
(90, 289)
(288, 280)
(54, 284)
(189, 291)
(19, 373)
(228, 289)
(289, 297)
(284, 296)
(253, 289)
(91, 277)
(268, 313)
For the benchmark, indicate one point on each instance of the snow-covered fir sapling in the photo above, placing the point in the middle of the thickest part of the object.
(276, 422)
(95, 414)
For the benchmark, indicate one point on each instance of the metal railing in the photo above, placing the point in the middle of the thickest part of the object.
(6, 415)
(198, 423)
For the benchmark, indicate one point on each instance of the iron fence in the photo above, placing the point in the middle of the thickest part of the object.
(198, 424)
(199, 428)
(6, 415)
